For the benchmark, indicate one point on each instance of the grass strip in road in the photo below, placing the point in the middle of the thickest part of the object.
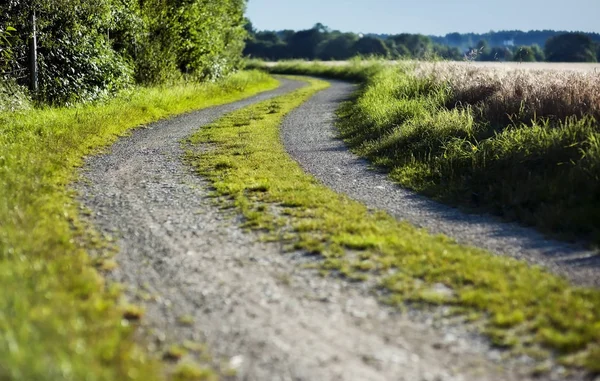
(520, 307)
(58, 321)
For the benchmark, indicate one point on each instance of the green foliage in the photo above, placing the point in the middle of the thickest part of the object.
(303, 44)
(196, 38)
(502, 38)
(92, 49)
(371, 46)
(6, 53)
(356, 70)
(418, 45)
(570, 47)
(446, 52)
(538, 53)
(58, 319)
(528, 54)
(500, 54)
(340, 47)
(76, 61)
(322, 43)
(524, 54)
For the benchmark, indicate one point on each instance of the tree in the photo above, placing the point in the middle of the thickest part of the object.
(454, 39)
(570, 47)
(500, 54)
(303, 44)
(483, 48)
(340, 47)
(286, 35)
(249, 27)
(538, 53)
(371, 46)
(76, 59)
(90, 49)
(524, 54)
(268, 36)
(267, 45)
(6, 53)
(321, 28)
(396, 51)
(447, 52)
(420, 46)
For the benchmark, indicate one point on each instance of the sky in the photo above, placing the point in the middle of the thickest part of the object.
(431, 17)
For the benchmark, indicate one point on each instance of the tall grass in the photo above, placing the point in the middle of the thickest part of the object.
(356, 70)
(58, 319)
(522, 144)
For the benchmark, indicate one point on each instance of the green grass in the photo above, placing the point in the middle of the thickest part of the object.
(520, 307)
(58, 319)
(527, 151)
(357, 70)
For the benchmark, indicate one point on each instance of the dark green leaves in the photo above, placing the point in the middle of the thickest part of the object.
(88, 50)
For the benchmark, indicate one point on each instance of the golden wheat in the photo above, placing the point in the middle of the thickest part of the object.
(511, 91)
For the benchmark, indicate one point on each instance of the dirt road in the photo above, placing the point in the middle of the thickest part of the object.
(203, 279)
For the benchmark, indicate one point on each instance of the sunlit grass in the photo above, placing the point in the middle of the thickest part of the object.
(58, 320)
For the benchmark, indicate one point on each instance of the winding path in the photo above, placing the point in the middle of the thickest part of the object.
(203, 279)
(310, 137)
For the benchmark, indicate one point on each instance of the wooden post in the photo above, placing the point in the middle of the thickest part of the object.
(33, 69)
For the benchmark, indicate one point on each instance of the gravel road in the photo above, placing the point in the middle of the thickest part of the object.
(203, 279)
(311, 138)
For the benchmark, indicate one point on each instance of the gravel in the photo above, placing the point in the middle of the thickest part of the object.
(311, 138)
(203, 279)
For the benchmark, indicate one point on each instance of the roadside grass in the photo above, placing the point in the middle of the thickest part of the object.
(58, 319)
(523, 308)
(524, 145)
(356, 70)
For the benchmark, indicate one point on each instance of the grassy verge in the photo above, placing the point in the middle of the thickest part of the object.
(58, 320)
(356, 70)
(517, 306)
(523, 145)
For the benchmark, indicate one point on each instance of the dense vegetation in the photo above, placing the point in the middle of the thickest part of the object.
(322, 43)
(525, 145)
(90, 49)
(522, 308)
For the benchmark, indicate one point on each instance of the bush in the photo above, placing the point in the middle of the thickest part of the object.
(12, 97)
(91, 49)
(76, 62)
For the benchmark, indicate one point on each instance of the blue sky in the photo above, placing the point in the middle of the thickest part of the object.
(436, 17)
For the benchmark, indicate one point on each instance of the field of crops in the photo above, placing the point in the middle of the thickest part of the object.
(579, 66)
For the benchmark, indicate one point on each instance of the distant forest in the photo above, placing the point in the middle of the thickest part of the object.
(322, 43)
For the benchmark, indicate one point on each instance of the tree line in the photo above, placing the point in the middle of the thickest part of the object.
(322, 43)
(87, 49)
